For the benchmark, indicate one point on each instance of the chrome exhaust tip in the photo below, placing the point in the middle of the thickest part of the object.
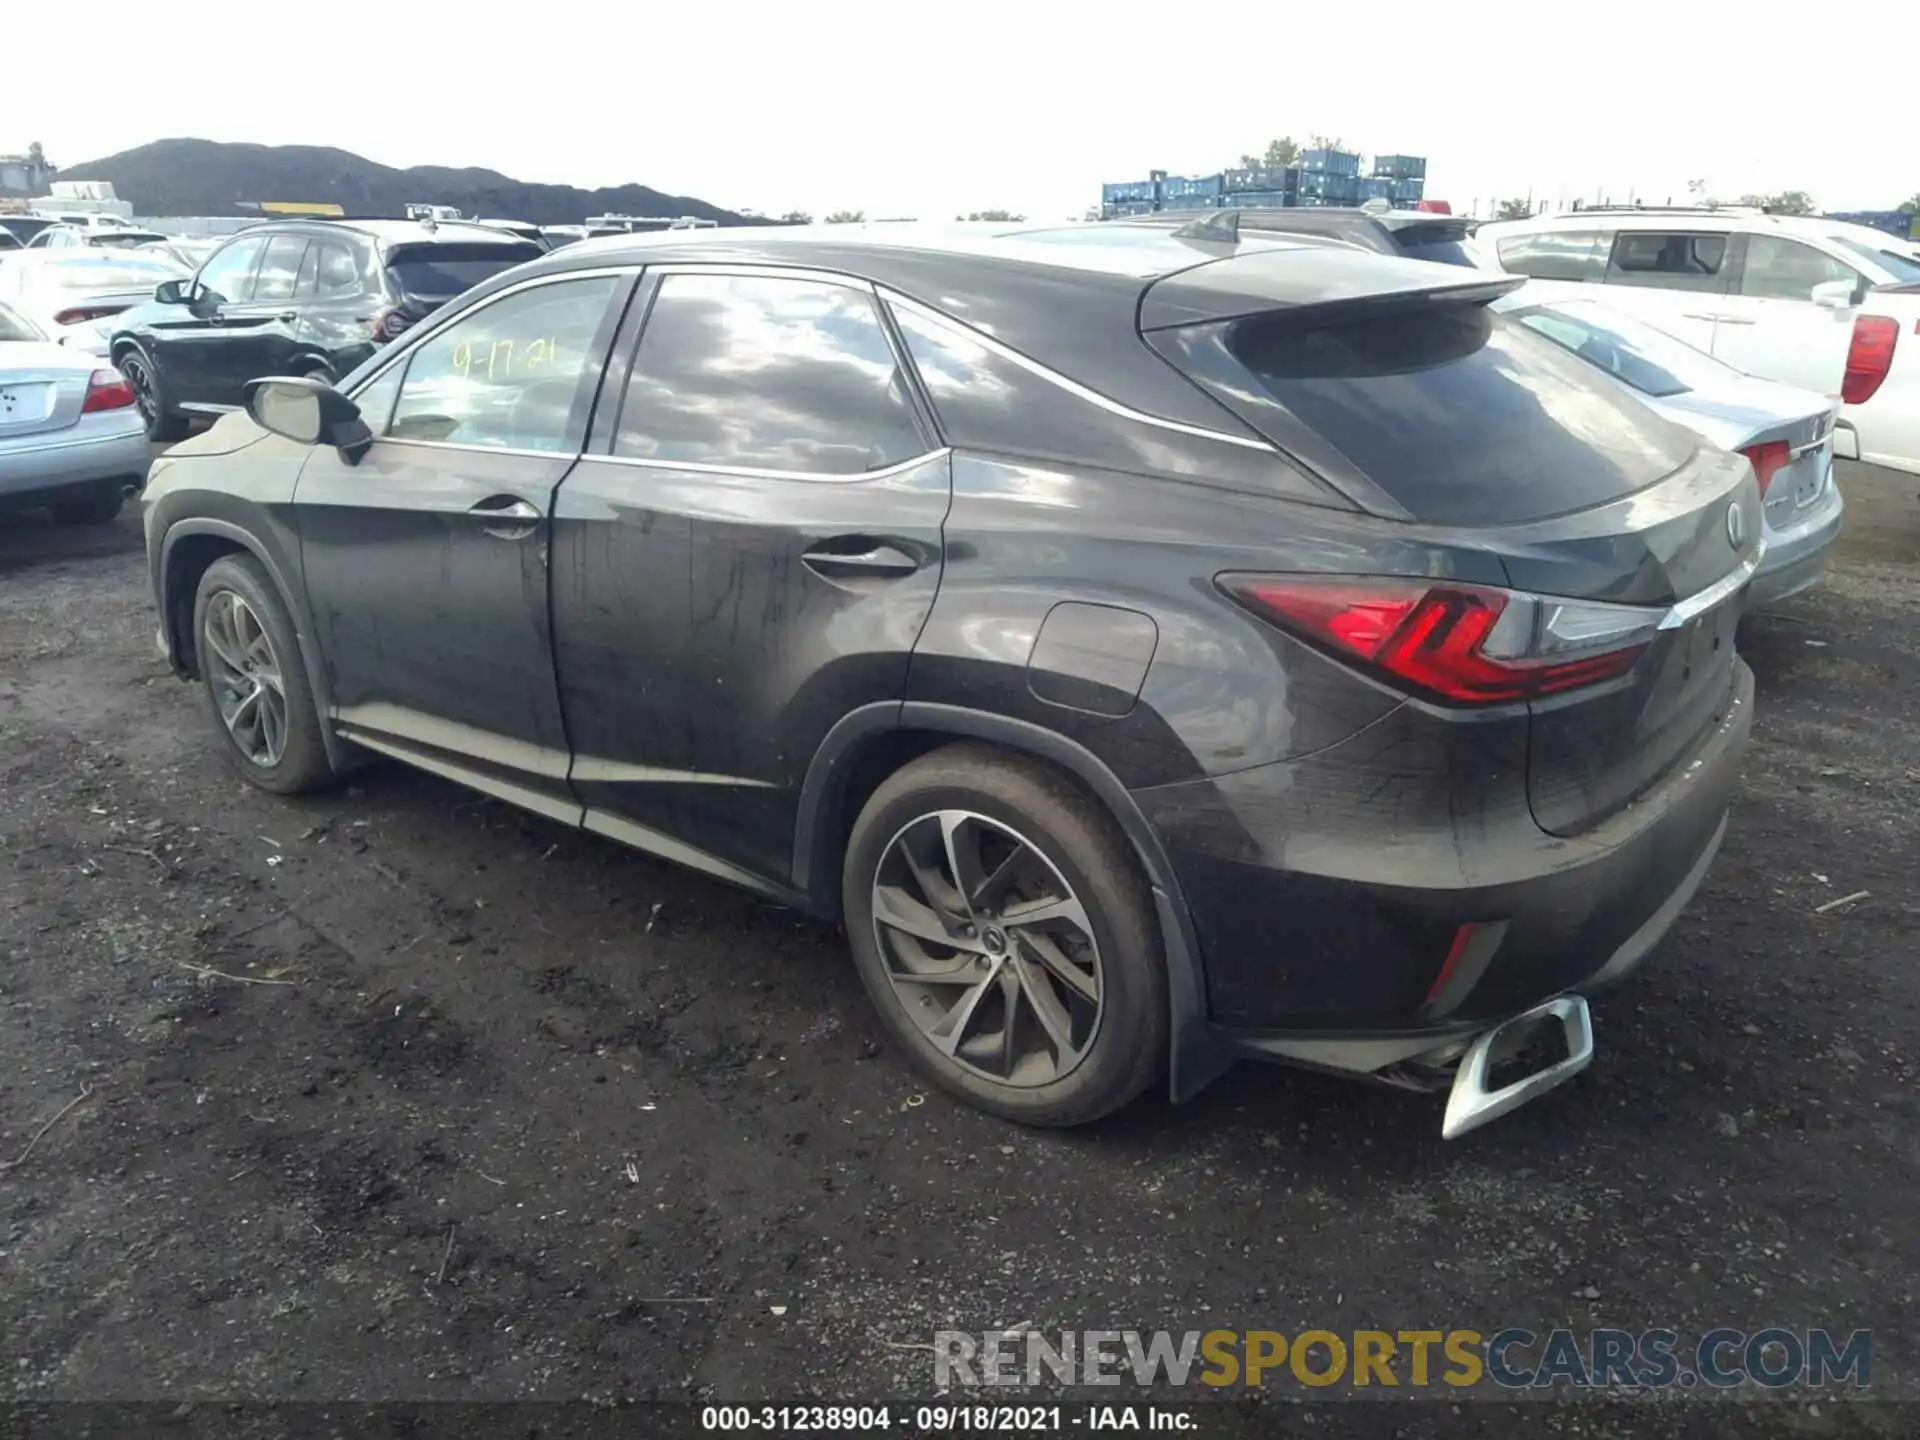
(1470, 1104)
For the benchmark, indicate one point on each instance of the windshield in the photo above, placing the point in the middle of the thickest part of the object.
(1650, 361)
(127, 271)
(443, 271)
(1905, 271)
(15, 326)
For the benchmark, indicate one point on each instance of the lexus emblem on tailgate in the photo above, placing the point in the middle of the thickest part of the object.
(1736, 525)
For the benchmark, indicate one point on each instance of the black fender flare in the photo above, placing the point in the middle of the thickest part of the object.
(1194, 1058)
(337, 751)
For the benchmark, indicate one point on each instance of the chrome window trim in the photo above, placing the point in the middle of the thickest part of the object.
(441, 319)
(960, 330)
(724, 270)
(752, 472)
(569, 453)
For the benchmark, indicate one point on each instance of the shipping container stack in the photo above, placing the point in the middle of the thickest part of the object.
(1329, 177)
(1323, 177)
(1262, 187)
(1406, 178)
(1191, 192)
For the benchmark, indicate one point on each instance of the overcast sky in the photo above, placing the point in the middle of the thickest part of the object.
(928, 109)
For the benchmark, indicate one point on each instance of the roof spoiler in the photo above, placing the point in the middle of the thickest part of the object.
(1312, 284)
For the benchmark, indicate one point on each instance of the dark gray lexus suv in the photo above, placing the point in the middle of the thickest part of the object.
(1156, 646)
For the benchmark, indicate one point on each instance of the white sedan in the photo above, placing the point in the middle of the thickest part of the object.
(71, 437)
(67, 293)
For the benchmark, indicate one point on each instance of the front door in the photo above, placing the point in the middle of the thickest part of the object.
(748, 554)
(188, 337)
(426, 563)
(254, 337)
(1672, 279)
(1772, 327)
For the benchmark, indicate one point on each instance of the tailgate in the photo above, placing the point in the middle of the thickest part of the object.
(1689, 546)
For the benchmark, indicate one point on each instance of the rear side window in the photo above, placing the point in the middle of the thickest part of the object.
(1555, 255)
(1667, 260)
(763, 373)
(1780, 269)
(336, 269)
(440, 272)
(1461, 417)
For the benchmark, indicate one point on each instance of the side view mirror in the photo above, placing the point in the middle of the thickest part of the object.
(171, 292)
(310, 412)
(1833, 295)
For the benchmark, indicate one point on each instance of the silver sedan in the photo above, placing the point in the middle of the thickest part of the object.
(1784, 432)
(71, 437)
(68, 293)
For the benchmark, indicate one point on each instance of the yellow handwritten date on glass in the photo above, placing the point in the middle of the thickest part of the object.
(505, 359)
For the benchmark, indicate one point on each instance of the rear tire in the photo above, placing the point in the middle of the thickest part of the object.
(1072, 933)
(150, 392)
(253, 679)
(100, 506)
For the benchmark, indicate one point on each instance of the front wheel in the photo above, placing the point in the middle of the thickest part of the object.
(254, 679)
(1003, 929)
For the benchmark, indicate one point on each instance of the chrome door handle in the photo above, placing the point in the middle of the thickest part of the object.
(520, 517)
(880, 560)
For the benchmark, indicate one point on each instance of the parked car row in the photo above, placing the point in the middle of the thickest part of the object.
(1816, 303)
(1157, 650)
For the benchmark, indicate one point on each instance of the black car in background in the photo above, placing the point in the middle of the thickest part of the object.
(295, 297)
(1155, 650)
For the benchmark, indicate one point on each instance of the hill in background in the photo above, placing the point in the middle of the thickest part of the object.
(207, 177)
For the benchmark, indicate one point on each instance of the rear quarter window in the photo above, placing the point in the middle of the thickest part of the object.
(1461, 416)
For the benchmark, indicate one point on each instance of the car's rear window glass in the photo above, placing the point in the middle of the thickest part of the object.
(443, 271)
(1460, 416)
(1438, 245)
(1634, 354)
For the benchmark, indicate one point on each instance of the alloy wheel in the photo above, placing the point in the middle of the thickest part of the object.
(987, 948)
(140, 381)
(244, 672)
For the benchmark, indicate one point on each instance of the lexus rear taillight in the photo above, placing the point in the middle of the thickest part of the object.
(107, 391)
(1869, 357)
(1767, 461)
(1469, 644)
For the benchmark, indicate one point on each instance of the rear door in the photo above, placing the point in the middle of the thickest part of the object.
(426, 563)
(336, 300)
(748, 554)
(1770, 325)
(1675, 279)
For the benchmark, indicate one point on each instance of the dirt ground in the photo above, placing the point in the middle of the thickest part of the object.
(499, 1111)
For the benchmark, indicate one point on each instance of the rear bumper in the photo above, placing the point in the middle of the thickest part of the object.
(1797, 553)
(33, 469)
(1359, 971)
